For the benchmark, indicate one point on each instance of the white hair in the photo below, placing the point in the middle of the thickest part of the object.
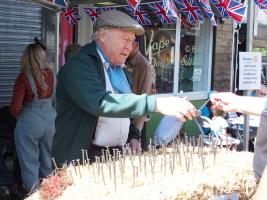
(95, 36)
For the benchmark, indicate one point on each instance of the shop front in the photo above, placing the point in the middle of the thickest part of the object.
(21, 21)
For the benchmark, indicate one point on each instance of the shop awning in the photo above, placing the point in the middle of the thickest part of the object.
(102, 2)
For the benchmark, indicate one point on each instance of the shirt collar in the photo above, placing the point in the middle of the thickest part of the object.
(101, 55)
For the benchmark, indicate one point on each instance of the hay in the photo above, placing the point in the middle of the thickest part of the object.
(163, 175)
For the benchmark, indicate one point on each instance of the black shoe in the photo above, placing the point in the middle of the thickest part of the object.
(18, 193)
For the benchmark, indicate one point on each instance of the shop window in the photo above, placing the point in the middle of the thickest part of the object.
(194, 65)
(195, 53)
(160, 45)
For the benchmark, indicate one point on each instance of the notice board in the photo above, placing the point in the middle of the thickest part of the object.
(250, 66)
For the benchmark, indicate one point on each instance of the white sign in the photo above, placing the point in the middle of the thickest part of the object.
(250, 66)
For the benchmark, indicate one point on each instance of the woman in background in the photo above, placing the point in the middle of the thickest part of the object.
(31, 104)
(220, 128)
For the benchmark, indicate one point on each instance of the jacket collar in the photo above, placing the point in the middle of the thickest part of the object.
(90, 50)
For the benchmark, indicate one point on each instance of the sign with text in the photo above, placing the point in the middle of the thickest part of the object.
(250, 65)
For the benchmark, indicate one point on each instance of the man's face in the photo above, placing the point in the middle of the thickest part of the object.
(116, 44)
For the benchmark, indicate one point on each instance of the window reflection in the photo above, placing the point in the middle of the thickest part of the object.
(162, 41)
(194, 58)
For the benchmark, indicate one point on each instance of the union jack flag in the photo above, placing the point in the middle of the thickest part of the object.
(93, 13)
(235, 9)
(219, 6)
(205, 4)
(186, 23)
(139, 15)
(170, 8)
(190, 9)
(59, 2)
(262, 4)
(72, 15)
(134, 3)
(161, 13)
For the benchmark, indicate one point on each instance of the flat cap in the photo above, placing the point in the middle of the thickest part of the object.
(115, 19)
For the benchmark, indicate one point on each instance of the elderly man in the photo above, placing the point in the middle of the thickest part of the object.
(94, 100)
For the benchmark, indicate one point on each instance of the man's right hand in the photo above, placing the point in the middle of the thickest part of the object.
(176, 106)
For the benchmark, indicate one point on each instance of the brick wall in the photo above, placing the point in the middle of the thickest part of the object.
(260, 40)
(223, 56)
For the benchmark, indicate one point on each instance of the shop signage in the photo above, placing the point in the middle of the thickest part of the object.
(250, 65)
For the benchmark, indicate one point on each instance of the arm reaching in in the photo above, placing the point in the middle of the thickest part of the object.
(176, 106)
(230, 102)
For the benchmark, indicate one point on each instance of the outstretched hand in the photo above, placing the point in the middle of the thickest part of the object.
(226, 101)
(176, 106)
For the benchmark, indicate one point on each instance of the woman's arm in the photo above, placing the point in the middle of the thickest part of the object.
(230, 102)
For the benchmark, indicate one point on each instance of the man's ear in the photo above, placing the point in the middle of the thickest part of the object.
(101, 35)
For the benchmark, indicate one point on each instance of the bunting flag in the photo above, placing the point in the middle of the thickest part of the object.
(190, 10)
(205, 4)
(161, 13)
(187, 23)
(170, 8)
(139, 15)
(72, 15)
(219, 6)
(93, 13)
(262, 4)
(134, 3)
(235, 9)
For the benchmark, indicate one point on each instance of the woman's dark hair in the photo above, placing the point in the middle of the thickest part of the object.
(37, 41)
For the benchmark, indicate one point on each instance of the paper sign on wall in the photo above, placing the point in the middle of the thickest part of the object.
(250, 65)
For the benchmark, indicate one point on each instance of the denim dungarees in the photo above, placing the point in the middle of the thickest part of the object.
(33, 134)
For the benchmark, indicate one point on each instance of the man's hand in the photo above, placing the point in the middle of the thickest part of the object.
(176, 106)
(135, 146)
